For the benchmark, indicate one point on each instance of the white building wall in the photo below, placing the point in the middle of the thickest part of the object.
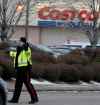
(61, 36)
(33, 34)
(52, 36)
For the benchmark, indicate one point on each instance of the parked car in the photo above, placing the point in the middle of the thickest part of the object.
(11, 46)
(44, 49)
(64, 49)
(2, 93)
(98, 46)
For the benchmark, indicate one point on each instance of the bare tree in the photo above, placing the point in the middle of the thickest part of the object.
(90, 27)
(9, 17)
(10, 14)
(93, 29)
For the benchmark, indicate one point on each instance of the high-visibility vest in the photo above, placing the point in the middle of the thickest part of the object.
(13, 55)
(24, 58)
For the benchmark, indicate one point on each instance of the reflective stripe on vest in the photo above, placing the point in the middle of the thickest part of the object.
(24, 58)
(29, 56)
(13, 55)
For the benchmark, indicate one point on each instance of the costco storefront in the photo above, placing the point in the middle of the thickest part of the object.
(55, 26)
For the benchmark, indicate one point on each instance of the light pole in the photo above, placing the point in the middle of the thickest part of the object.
(3, 24)
(27, 19)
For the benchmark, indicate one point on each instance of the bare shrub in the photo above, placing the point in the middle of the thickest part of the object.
(69, 73)
(52, 72)
(96, 67)
(75, 57)
(38, 70)
(87, 73)
(43, 57)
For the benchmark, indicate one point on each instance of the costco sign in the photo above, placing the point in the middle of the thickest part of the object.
(47, 13)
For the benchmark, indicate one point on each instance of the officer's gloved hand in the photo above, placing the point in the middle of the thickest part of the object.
(30, 67)
(16, 67)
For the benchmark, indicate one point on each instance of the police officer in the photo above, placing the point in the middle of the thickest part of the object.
(23, 66)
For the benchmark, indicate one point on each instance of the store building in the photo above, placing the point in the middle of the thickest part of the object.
(52, 36)
(49, 28)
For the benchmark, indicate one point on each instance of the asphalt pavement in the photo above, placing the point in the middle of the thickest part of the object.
(59, 93)
(60, 98)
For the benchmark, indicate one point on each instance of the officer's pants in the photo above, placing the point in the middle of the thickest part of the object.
(23, 76)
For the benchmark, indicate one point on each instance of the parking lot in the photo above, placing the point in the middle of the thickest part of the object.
(61, 98)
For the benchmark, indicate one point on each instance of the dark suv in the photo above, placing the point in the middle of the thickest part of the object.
(2, 93)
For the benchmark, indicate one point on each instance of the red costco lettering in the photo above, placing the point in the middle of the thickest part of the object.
(56, 14)
(83, 14)
(93, 16)
(43, 13)
(67, 14)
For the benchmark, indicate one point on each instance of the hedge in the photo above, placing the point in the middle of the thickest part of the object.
(74, 58)
(40, 57)
(52, 72)
(69, 73)
(96, 68)
(87, 73)
(70, 68)
(38, 70)
(7, 66)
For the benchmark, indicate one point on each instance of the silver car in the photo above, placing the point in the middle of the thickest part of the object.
(2, 92)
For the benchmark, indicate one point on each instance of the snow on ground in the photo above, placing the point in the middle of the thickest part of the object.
(44, 82)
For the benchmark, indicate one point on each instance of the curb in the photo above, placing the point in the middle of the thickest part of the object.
(61, 87)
